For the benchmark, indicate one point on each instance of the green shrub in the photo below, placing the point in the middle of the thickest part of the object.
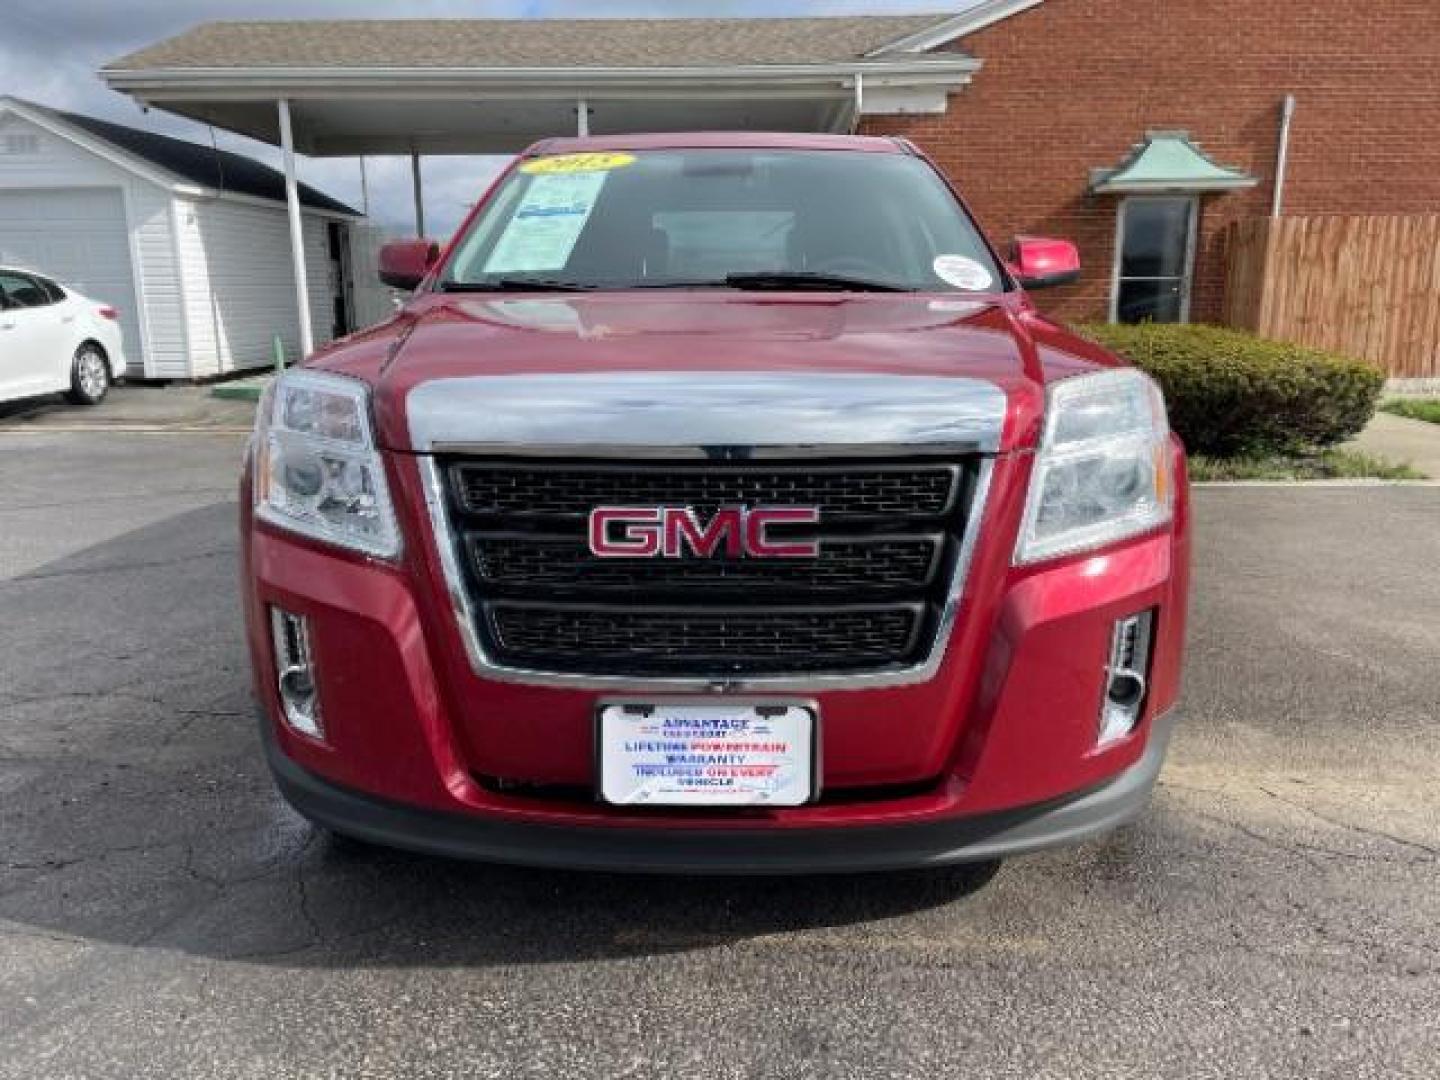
(1232, 393)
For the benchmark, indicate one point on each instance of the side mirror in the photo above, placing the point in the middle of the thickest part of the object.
(404, 263)
(1040, 263)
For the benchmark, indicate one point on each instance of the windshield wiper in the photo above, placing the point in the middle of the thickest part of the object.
(805, 279)
(517, 284)
(758, 280)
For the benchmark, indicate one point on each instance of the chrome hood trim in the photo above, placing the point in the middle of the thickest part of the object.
(681, 413)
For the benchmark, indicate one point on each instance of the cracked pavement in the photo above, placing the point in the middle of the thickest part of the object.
(162, 914)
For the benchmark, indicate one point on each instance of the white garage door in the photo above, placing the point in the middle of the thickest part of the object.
(78, 237)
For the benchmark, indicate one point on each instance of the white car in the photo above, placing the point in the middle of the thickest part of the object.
(54, 340)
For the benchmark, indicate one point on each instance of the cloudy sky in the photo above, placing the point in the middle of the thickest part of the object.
(50, 49)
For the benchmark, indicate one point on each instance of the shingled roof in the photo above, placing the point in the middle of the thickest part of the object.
(538, 43)
(197, 163)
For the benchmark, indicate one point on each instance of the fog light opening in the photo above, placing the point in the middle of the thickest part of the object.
(299, 697)
(1125, 677)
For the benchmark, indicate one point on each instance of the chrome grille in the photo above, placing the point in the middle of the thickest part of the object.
(890, 535)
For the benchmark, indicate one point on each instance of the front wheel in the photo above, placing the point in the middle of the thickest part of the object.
(89, 375)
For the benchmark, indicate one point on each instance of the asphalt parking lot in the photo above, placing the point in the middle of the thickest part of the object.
(163, 915)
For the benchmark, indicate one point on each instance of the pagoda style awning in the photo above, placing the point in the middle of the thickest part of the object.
(1168, 161)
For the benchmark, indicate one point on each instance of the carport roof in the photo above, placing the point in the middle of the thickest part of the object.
(516, 43)
(474, 86)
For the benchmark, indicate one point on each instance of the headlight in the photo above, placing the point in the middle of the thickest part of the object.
(1103, 470)
(317, 471)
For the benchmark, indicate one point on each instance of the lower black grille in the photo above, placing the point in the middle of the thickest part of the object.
(881, 564)
(670, 640)
(889, 535)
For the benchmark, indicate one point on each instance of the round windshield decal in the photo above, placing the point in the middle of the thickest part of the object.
(574, 163)
(963, 272)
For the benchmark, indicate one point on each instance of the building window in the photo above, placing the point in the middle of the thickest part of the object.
(1154, 259)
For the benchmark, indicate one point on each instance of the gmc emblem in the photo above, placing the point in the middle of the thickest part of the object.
(643, 532)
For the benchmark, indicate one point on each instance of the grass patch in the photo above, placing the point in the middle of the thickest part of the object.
(1330, 464)
(1427, 409)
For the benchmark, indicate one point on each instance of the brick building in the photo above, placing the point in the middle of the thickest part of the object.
(1068, 86)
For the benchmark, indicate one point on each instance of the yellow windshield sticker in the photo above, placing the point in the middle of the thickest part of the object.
(575, 163)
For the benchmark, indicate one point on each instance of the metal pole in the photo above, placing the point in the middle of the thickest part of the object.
(1282, 157)
(419, 201)
(297, 232)
(364, 189)
(859, 101)
(582, 118)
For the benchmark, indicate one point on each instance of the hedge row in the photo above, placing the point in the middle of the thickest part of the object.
(1232, 393)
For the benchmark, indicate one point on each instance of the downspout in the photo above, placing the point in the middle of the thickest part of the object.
(1282, 157)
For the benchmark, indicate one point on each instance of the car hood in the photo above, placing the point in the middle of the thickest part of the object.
(706, 369)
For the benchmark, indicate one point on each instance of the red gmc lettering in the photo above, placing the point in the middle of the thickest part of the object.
(759, 520)
(633, 532)
(726, 526)
(640, 537)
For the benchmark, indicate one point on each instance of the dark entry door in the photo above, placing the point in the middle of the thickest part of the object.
(1155, 259)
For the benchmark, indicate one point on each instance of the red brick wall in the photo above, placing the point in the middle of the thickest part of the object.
(1072, 84)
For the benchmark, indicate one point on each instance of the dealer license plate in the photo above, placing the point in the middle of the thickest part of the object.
(707, 755)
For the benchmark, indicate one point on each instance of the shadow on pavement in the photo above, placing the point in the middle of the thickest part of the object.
(137, 808)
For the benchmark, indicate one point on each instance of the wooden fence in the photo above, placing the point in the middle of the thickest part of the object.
(1364, 286)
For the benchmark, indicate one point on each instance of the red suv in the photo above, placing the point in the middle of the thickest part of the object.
(717, 503)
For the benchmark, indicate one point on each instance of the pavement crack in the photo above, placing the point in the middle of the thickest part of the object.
(1348, 826)
(120, 568)
(109, 694)
(36, 935)
(1295, 847)
(91, 500)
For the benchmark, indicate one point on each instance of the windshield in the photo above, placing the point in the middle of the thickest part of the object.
(750, 219)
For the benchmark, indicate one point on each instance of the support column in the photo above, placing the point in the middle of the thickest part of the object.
(582, 118)
(297, 232)
(419, 199)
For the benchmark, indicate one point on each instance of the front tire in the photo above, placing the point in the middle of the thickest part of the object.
(89, 375)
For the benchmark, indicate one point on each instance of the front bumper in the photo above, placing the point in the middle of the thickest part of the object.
(994, 756)
(937, 843)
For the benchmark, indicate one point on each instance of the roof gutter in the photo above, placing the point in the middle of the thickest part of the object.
(238, 83)
(200, 193)
(986, 13)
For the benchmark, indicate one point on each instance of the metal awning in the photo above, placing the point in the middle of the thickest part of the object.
(476, 86)
(1167, 161)
(346, 113)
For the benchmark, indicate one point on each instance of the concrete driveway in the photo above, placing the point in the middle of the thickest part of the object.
(162, 914)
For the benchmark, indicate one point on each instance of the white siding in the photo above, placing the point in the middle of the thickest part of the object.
(239, 287)
(57, 163)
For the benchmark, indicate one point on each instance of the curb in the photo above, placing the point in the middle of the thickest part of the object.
(237, 393)
(1342, 484)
